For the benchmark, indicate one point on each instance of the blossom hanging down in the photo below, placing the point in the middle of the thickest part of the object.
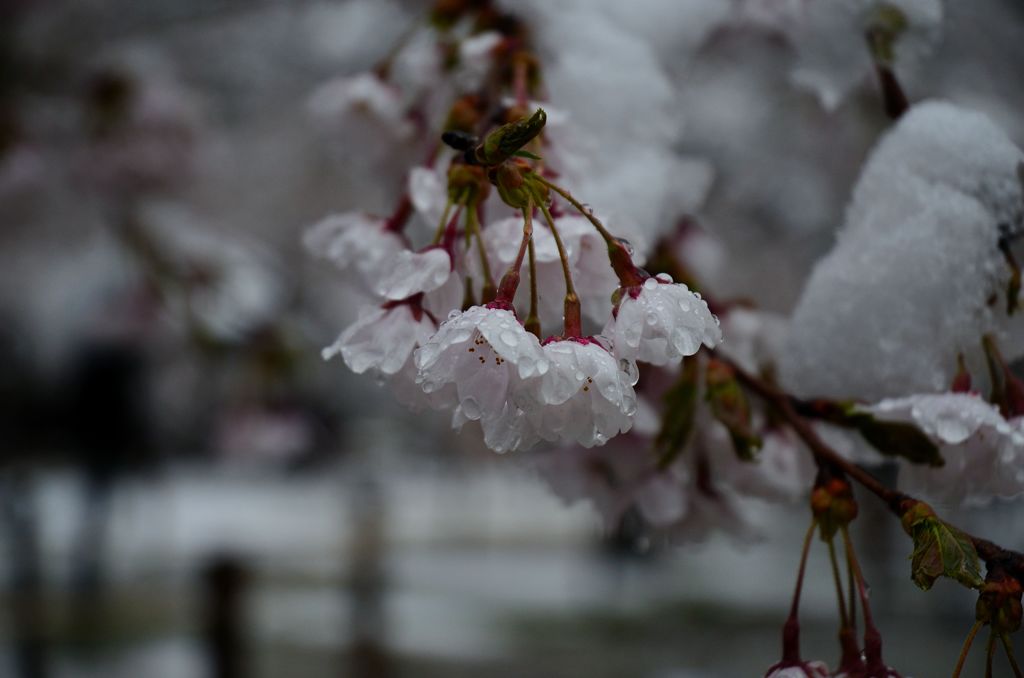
(407, 273)
(660, 321)
(354, 242)
(983, 451)
(478, 363)
(586, 397)
(363, 95)
(483, 363)
(383, 338)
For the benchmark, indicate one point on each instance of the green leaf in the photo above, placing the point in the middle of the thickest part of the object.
(941, 550)
(502, 143)
(680, 412)
(896, 439)
(526, 154)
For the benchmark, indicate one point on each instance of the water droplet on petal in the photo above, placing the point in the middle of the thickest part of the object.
(650, 284)
(509, 338)
(664, 277)
(629, 368)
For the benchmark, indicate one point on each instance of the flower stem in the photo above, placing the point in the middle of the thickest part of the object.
(872, 637)
(510, 281)
(791, 629)
(468, 300)
(851, 590)
(1008, 646)
(473, 227)
(850, 660)
(843, 618)
(532, 323)
(618, 255)
(585, 211)
(990, 653)
(573, 322)
(966, 648)
(439, 233)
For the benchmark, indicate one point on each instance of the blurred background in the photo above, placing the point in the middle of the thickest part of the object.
(186, 489)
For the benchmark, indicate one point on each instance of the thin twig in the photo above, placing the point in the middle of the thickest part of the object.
(988, 551)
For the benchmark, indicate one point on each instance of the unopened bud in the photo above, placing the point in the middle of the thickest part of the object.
(502, 143)
(1000, 603)
(913, 512)
(628, 273)
(467, 184)
(511, 185)
(833, 505)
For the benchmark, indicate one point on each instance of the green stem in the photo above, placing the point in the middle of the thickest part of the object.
(791, 629)
(1008, 646)
(851, 587)
(532, 323)
(473, 226)
(966, 648)
(843, 618)
(990, 652)
(858, 575)
(439, 233)
(573, 321)
(802, 569)
(585, 211)
(510, 281)
(618, 255)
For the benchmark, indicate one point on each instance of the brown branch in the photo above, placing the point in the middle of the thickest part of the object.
(989, 552)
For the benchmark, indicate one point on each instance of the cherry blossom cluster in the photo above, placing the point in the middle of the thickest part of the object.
(497, 296)
(443, 326)
(515, 307)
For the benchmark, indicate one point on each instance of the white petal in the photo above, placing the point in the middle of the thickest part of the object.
(428, 192)
(381, 339)
(408, 273)
(662, 323)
